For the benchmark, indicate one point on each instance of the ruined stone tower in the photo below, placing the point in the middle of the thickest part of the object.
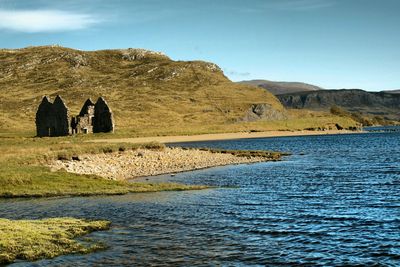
(53, 119)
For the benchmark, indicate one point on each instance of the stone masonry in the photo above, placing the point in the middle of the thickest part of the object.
(53, 119)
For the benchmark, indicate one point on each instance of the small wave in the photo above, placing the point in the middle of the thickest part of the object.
(276, 233)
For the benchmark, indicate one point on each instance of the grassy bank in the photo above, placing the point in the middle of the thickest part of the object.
(37, 239)
(297, 120)
(22, 173)
(270, 155)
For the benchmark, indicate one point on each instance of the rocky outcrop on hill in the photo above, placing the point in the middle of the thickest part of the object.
(132, 54)
(373, 103)
(264, 112)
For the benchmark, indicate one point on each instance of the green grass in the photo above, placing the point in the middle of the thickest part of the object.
(38, 239)
(270, 155)
(36, 181)
(22, 171)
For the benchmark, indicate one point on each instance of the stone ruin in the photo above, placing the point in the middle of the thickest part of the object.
(53, 119)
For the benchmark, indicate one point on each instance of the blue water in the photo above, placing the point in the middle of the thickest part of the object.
(334, 202)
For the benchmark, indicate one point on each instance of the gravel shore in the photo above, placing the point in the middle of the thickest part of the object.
(143, 162)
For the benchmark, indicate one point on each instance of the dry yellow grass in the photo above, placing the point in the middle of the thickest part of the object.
(149, 95)
(152, 92)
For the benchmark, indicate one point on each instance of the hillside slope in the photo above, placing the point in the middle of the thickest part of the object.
(278, 88)
(385, 105)
(147, 91)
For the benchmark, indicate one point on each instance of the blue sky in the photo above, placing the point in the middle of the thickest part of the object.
(330, 43)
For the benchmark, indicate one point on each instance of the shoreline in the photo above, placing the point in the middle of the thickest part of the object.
(129, 165)
(221, 136)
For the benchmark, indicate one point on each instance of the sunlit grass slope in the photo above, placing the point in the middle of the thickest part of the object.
(146, 90)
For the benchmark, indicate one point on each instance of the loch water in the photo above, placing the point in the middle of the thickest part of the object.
(334, 202)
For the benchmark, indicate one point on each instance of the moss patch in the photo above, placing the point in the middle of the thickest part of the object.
(38, 239)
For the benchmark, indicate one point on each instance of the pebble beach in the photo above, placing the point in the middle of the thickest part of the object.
(145, 162)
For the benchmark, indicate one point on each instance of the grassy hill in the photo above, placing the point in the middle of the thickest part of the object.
(149, 93)
(146, 90)
(278, 88)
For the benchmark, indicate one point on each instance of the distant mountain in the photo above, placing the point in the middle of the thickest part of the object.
(382, 104)
(278, 88)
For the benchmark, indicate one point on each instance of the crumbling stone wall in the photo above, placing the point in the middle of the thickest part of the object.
(62, 118)
(83, 123)
(44, 118)
(53, 119)
(103, 121)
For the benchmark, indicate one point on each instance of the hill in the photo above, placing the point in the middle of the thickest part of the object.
(149, 93)
(146, 90)
(278, 88)
(380, 105)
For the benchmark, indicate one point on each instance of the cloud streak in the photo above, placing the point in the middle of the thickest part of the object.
(36, 21)
(236, 73)
(303, 5)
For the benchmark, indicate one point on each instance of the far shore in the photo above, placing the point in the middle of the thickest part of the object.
(221, 136)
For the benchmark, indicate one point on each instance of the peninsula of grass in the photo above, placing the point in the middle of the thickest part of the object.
(23, 174)
(38, 239)
(270, 155)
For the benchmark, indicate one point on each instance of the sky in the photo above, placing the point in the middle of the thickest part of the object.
(329, 43)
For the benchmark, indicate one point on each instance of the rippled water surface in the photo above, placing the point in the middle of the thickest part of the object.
(334, 202)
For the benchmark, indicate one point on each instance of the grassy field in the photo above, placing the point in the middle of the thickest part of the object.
(297, 120)
(22, 173)
(37, 239)
(23, 157)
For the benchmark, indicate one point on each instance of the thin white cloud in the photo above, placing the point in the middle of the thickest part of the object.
(236, 73)
(303, 5)
(34, 21)
(285, 5)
